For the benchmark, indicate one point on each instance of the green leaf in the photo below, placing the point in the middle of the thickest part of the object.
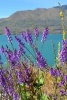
(27, 94)
(41, 81)
(22, 84)
(44, 97)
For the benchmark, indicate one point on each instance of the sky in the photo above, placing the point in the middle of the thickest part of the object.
(8, 7)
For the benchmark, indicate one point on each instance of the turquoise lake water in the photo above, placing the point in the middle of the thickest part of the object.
(47, 50)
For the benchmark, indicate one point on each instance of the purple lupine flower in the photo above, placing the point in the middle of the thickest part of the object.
(36, 32)
(11, 83)
(14, 61)
(19, 76)
(45, 33)
(58, 73)
(55, 72)
(10, 90)
(3, 81)
(65, 78)
(2, 49)
(6, 82)
(63, 52)
(20, 51)
(62, 82)
(62, 91)
(40, 60)
(0, 60)
(52, 71)
(23, 34)
(64, 43)
(10, 86)
(60, 85)
(13, 58)
(9, 54)
(15, 96)
(27, 72)
(7, 31)
(1, 73)
(28, 79)
(66, 93)
(19, 40)
(29, 37)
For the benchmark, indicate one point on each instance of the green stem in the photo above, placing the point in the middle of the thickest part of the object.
(12, 46)
(20, 92)
(42, 47)
(27, 57)
(25, 91)
(30, 52)
(54, 53)
(56, 88)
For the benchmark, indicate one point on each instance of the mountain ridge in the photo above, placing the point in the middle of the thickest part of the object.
(29, 19)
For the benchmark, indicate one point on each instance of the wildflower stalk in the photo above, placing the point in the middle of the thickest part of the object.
(12, 46)
(25, 91)
(63, 25)
(56, 67)
(0, 93)
(29, 52)
(58, 57)
(44, 36)
(33, 50)
(53, 46)
(27, 57)
(2, 50)
(31, 61)
(10, 98)
(42, 47)
(20, 92)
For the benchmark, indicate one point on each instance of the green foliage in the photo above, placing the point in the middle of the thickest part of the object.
(24, 93)
(44, 97)
(39, 81)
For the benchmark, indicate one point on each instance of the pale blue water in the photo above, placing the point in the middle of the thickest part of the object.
(47, 50)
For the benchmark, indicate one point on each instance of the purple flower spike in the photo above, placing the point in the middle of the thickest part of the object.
(55, 72)
(7, 31)
(0, 60)
(60, 85)
(19, 41)
(63, 53)
(13, 58)
(62, 92)
(52, 71)
(66, 93)
(65, 77)
(19, 76)
(40, 60)
(36, 32)
(45, 33)
(15, 96)
(1, 73)
(64, 43)
(20, 51)
(29, 37)
(23, 34)
(2, 49)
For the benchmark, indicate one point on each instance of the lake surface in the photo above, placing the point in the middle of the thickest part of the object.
(47, 50)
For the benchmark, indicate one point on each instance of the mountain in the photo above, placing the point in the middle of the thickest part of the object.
(40, 17)
(64, 7)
